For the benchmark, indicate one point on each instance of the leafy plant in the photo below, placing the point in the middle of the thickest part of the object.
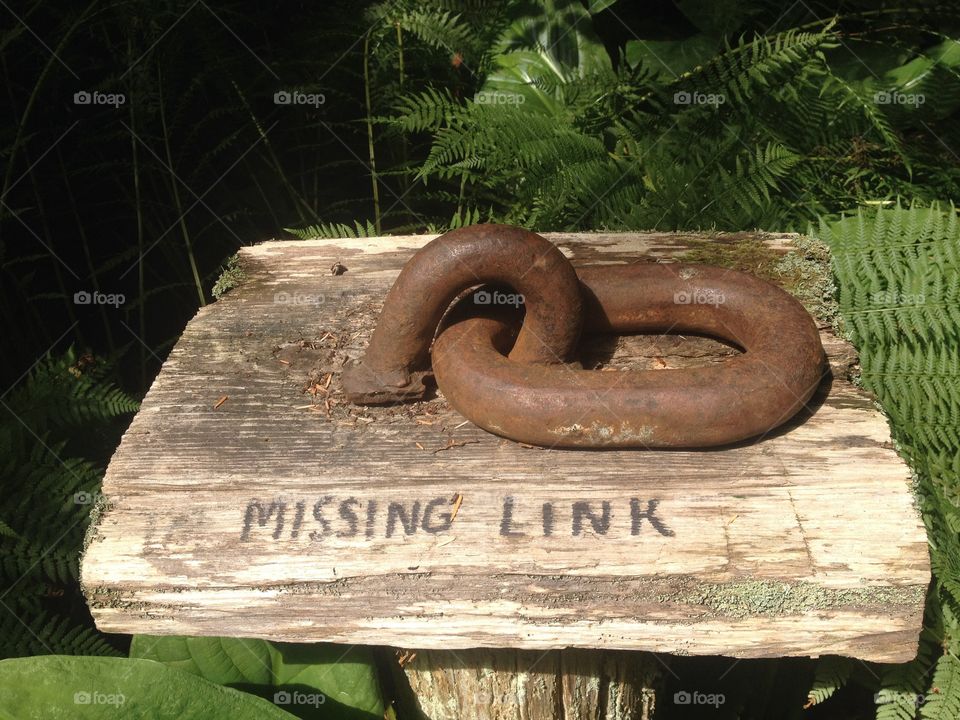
(49, 425)
(702, 132)
(898, 273)
(88, 687)
(334, 681)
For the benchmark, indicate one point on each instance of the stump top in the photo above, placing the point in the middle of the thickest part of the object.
(248, 499)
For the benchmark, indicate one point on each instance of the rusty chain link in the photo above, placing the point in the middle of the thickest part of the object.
(518, 380)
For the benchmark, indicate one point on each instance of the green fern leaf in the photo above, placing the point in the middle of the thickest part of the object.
(831, 674)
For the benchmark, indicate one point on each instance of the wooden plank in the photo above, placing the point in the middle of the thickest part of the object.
(283, 512)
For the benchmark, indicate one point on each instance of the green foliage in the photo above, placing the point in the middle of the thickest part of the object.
(902, 686)
(897, 270)
(943, 701)
(74, 687)
(68, 391)
(590, 148)
(832, 673)
(897, 273)
(424, 111)
(345, 676)
(334, 230)
(709, 131)
(42, 634)
(231, 275)
(49, 422)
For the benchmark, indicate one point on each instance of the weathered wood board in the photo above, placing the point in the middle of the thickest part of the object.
(283, 512)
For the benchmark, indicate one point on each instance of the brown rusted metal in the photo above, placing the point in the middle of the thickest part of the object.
(745, 396)
(537, 397)
(398, 358)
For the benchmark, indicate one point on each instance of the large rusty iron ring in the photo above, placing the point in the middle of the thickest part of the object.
(539, 397)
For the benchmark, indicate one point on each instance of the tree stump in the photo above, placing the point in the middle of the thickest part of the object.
(500, 684)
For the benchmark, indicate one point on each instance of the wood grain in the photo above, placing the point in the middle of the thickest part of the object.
(574, 684)
(286, 513)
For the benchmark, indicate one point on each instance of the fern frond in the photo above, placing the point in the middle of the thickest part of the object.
(901, 686)
(334, 230)
(43, 634)
(866, 102)
(831, 674)
(441, 29)
(428, 110)
(68, 391)
(943, 700)
(754, 66)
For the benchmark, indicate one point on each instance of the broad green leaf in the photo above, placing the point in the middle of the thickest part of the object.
(56, 686)
(514, 82)
(345, 674)
(562, 32)
(910, 74)
(554, 44)
(307, 680)
(908, 87)
(236, 662)
(858, 60)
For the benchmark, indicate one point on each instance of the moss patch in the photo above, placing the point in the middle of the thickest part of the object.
(231, 276)
(748, 253)
(99, 509)
(754, 598)
(804, 271)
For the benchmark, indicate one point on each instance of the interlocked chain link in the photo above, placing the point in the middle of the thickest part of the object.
(512, 372)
